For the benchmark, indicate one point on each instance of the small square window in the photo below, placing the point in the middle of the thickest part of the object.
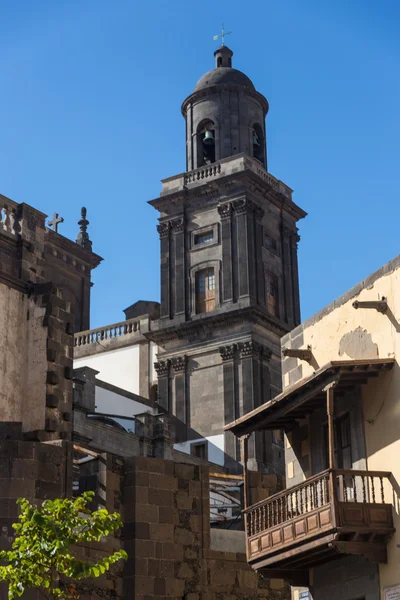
(200, 450)
(204, 238)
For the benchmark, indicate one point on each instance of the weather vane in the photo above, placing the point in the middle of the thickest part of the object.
(222, 35)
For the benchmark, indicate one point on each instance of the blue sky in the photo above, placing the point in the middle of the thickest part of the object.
(90, 115)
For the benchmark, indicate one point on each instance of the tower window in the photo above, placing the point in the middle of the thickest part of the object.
(205, 143)
(258, 143)
(271, 293)
(203, 238)
(205, 290)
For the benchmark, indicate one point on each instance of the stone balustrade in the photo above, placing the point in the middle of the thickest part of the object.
(8, 216)
(109, 332)
(223, 168)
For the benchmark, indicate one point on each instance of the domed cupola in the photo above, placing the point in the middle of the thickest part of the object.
(225, 115)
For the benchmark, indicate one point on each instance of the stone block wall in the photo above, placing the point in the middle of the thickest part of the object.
(167, 537)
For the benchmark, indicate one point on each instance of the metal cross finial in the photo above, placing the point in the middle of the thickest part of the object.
(222, 35)
(55, 221)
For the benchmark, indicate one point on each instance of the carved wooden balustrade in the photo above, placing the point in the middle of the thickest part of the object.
(323, 515)
(110, 332)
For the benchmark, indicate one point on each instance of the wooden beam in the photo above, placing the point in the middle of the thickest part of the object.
(331, 434)
(280, 557)
(294, 577)
(373, 551)
(245, 456)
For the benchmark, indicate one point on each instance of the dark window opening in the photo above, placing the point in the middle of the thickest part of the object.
(200, 450)
(258, 143)
(271, 294)
(206, 144)
(219, 61)
(205, 290)
(203, 238)
(154, 393)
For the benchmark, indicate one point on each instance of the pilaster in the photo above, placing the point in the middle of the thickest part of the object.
(179, 279)
(165, 268)
(246, 247)
(181, 404)
(162, 368)
(231, 395)
(225, 212)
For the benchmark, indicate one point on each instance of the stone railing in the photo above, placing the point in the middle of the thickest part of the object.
(110, 332)
(8, 217)
(224, 167)
(206, 172)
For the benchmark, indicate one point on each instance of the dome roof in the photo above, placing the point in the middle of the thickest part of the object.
(224, 76)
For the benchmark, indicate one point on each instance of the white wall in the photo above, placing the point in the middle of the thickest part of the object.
(115, 404)
(118, 367)
(216, 447)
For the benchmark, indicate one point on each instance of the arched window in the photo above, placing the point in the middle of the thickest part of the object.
(205, 290)
(271, 294)
(258, 143)
(219, 61)
(205, 143)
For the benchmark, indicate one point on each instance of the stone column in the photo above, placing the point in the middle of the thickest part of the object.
(165, 239)
(178, 266)
(245, 242)
(180, 408)
(225, 212)
(162, 368)
(231, 405)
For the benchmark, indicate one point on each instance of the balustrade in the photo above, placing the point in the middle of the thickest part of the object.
(8, 217)
(109, 332)
(203, 173)
(285, 506)
(348, 486)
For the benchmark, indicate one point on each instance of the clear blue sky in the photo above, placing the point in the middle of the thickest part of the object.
(90, 115)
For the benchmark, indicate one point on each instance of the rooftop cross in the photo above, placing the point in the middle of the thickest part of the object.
(55, 221)
(222, 35)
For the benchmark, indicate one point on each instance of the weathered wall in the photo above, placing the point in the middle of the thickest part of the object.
(167, 537)
(340, 332)
(23, 362)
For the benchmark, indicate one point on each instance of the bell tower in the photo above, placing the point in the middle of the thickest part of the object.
(224, 116)
(228, 266)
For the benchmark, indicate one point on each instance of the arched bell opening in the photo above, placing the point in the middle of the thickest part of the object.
(205, 143)
(258, 143)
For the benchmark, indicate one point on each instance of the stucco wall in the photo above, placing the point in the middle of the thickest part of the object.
(115, 404)
(216, 446)
(341, 332)
(118, 367)
(23, 362)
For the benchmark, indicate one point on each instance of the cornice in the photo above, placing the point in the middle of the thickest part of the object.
(208, 323)
(212, 191)
(59, 242)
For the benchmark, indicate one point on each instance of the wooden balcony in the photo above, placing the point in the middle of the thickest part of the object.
(333, 513)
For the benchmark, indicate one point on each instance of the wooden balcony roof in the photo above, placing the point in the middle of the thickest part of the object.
(305, 396)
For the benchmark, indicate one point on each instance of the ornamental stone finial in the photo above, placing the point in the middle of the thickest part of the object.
(83, 236)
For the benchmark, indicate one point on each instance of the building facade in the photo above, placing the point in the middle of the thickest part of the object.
(336, 527)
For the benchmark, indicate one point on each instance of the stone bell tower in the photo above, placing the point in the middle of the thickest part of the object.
(229, 278)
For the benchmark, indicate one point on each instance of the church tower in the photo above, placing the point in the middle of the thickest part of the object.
(229, 278)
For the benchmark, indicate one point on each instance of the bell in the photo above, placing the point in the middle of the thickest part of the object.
(208, 139)
(255, 139)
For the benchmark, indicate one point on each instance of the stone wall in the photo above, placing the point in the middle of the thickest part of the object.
(167, 537)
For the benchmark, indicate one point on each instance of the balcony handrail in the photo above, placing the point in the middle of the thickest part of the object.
(284, 492)
(116, 330)
(362, 473)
